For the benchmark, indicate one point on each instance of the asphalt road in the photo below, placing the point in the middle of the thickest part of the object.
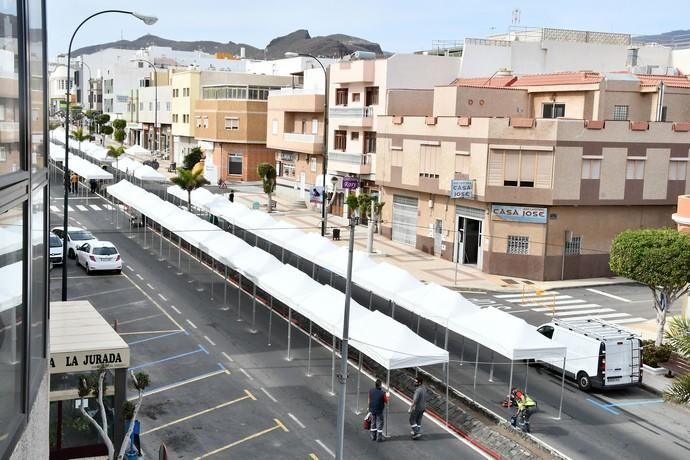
(218, 389)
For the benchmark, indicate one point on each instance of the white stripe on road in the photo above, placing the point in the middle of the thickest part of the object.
(162, 297)
(585, 312)
(610, 315)
(323, 446)
(94, 207)
(129, 268)
(176, 310)
(270, 396)
(81, 207)
(246, 374)
(526, 294)
(568, 307)
(596, 291)
(227, 356)
(70, 208)
(150, 287)
(108, 207)
(55, 209)
(191, 323)
(210, 341)
(551, 302)
(140, 277)
(627, 320)
(301, 425)
(541, 298)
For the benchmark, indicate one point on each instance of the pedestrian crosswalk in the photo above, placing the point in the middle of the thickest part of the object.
(566, 307)
(81, 207)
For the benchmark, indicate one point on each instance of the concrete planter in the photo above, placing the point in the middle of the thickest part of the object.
(654, 370)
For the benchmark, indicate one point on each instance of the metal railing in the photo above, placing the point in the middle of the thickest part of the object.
(351, 158)
(297, 137)
(351, 112)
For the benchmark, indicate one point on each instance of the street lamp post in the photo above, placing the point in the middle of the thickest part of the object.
(148, 20)
(324, 162)
(155, 102)
(88, 67)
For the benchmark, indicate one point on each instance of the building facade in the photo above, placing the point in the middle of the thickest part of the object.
(23, 233)
(534, 178)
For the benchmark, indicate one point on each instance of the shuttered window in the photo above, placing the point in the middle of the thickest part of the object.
(520, 168)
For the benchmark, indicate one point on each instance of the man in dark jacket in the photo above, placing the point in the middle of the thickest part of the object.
(417, 408)
(377, 404)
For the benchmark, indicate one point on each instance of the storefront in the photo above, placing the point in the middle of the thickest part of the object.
(81, 343)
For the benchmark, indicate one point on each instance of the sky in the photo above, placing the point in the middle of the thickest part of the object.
(397, 25)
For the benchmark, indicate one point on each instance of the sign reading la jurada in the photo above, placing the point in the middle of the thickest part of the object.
(86, 361)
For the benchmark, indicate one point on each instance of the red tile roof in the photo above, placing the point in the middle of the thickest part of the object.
(674, 81)
(560, 78)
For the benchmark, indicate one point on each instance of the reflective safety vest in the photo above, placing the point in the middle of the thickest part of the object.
(525, 402)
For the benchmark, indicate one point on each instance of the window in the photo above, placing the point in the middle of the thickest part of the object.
(312, 164)
(198, 122)
(341, 96)
(235, 164)
(635, 169)
(3, 153)
(274, 126)
(303, 127)
(520, 168)
(369, 142)
(354, 136)
(232, 124)
(175, 92)
(664, 111)
(553, 110)
(573, 246)
(185, 92)
(174, 118)
(355, 97)
(677, 170)
(518, 244)
(205, 120)
(150, 106)
(315, 126)
(620, 112)
(591, 168)
(340, 140)
(185, 118)
(372, 97)
(167, 106)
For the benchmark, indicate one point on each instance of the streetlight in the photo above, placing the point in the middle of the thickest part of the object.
(155, 101)
(88, 67)
(324, 163)
(148, 20)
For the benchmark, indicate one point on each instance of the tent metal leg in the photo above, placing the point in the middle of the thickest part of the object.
(462, 351)
(333, 368)
(331, 283)
(282, 255)
(309, 352)
(419, 319)
(160, 245)
(179, 255)
(213, 275)
(313, 270)
(491, 371)
(392, 309)
(526, 373)
(359, 376)
(289, 358)
(253, 329)
(447, 387)
(560, 404)
(225, 287)
(445, 347)
(239, 297)
(371, 299)
(510, 381)
(476, 367)
(388, 406)
(270, 320)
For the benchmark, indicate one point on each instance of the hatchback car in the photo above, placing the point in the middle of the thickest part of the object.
(76, 236)
(55, 249)
(99, 255)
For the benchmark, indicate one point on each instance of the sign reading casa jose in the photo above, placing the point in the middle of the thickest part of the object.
(462, 189)
(88, 360)
(519, 213)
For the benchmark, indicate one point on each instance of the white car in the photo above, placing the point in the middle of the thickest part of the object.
(76, 236)
(55, 243)
(99, 255)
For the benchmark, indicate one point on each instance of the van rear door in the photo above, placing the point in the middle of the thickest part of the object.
(619, 361)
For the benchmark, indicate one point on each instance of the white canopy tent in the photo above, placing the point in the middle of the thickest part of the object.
(336, 261)
(87, 170)
(137, 149)
(147, 173)
(385, 280)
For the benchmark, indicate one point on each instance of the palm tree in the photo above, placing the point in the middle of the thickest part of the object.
(268, 177)
(116, 152)
(190, 181)
(80, 135)
(678, 336)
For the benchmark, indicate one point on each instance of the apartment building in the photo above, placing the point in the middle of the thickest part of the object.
(359, 94)
(151, 103)
(229, 118)
(682, 217)
(295, 131)
(533, 176)
(24, 381)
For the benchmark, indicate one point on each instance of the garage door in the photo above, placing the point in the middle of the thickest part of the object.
(405, 219)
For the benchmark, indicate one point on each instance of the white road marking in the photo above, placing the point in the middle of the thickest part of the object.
(176, 310)
(70, 208)
(227, 357)
(301, 425)
(270, 396)
(551, 302)
(585, 312)
(323, 446)
(108, 207)
(162, 297)
(627, 320)
(526, 294)
(129, 268)
(191, 323)
(568, 307)
(246, 374)
(610, 315)
(541, 298)
(140, 277)
(94, 207)
(596, 291)
(150, 286)
(210, 341)
(55, 209)
(81, 207)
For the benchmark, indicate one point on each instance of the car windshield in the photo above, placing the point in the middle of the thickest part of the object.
(104, 251)
(81, 235)
(55, 242)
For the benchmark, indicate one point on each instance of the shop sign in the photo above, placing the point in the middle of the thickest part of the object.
(88, 360)
(316, 194)
(519, 213)
(462, 189)
(350, 183)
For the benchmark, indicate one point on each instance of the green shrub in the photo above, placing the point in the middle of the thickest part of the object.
(653, 356)
(679, 391)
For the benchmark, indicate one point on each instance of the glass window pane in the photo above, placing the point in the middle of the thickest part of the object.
(38, 285)
(38, 156)
(9, 90)
(11, 320)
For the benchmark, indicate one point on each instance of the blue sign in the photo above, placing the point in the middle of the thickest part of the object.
(316, 194)
(462, 189)
(519, 213)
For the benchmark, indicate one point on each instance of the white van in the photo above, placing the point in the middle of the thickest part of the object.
(599, 354)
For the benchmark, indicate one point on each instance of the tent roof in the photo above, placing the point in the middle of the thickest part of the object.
(87, 170)
(254, 262)
(310, 244)
(336, 261)
(137, 149)
(147, 173)
(435, 302)
(325, 305)
(385, 280)
(287, 284)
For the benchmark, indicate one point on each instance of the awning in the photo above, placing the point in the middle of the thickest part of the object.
(385, 280)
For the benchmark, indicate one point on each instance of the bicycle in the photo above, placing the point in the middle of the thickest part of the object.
(222, 184)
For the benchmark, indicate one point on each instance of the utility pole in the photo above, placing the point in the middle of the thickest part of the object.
(370, 228)
(342, 377)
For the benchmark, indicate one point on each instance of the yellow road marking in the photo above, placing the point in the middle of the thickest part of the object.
(250, 395)
(153, 301)
(313, 457)
(205, 411)
(248, 438)
(150, 332)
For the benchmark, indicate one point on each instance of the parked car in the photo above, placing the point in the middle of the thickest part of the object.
(599, 354)
(55, 249)
(153, 163)
(99, 255)
(76, 236)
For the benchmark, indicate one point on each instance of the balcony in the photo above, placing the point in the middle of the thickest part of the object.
(353, 163)
(303, 138)
(311, 144)
(353, 72)
(352, 116)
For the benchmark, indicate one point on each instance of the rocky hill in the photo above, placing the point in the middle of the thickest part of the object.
(673, 38)
(300, 41)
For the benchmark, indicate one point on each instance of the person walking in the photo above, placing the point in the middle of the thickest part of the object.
(526, 406)
(417, 408)
(93, 184)
(231, 196)
(136, 431)
(377, 404)
(74, 180)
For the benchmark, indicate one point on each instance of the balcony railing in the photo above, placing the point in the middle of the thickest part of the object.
(351, 112)
(307, 138)
(352, 158)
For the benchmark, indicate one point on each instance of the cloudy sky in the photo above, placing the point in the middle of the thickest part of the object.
(398, 25)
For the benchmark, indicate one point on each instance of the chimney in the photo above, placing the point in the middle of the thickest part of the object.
(242, 52)
(633, 53)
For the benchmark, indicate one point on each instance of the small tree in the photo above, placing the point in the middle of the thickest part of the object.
(352, 203)
(53, 125)
(192, 158)
(141, 382)
(268, 177)
(657, 258)
(116, 152)
(119, 126)
(189, 180)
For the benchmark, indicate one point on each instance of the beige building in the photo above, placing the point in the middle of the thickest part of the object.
(534, 176)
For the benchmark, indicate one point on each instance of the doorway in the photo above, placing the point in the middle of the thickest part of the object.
(470, 241)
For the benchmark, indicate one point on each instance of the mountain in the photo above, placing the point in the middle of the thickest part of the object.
(299, 41)
(675, 37)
